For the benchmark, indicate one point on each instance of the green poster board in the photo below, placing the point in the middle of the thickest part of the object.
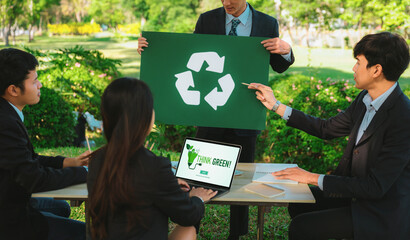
(196, 79)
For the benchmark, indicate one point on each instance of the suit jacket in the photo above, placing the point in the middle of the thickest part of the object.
(375, 173)
(263, 25)
(159, 195)
(23, 172)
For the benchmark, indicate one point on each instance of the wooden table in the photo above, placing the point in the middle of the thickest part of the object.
(294, 193)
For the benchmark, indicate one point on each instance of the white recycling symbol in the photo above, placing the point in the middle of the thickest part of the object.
(185, 80)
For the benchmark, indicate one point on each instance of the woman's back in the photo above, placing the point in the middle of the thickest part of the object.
(158, 195)
(132, 192)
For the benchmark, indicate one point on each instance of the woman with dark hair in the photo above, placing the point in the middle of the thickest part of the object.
(132, 192)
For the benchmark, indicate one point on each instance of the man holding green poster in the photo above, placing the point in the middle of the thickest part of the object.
(238, 18)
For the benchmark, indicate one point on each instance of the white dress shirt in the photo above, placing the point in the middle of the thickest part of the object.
(245, 27)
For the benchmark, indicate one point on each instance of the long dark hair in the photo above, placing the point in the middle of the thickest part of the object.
(126, 109)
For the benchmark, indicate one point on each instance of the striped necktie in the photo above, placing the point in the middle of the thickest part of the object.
(235, 23)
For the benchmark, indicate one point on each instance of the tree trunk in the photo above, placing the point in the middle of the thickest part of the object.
(278, 12)
(7, 34)
(143, 20)
(13, 32)
(40, 27)
(30, 33)
(307, 33)
(291, 36)
(78, 16)
(359, 23)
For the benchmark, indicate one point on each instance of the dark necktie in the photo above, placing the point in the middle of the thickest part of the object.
(235, 23)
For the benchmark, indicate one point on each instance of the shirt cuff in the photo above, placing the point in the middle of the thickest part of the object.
(86, 168)
(320, 181)
(288, 57)
(288, 112)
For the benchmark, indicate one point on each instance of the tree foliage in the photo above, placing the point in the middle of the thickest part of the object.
(107, 12)
(10, 10)
(172, 15)
(181, 15)
(387, 15)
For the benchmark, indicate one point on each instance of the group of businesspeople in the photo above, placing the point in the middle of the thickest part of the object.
(133, 193)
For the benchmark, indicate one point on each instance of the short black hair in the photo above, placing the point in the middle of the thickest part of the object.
(389, 50)
(15, 65)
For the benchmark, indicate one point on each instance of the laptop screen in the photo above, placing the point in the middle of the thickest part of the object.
(208, 161)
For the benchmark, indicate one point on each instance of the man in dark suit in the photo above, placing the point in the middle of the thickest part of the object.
(22, 171)
(238, 18)
(368, 196)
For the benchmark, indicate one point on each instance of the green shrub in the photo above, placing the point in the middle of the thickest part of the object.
(50, 123)
(170, 137)
(79, 75)
(406, 91)
(324, 99)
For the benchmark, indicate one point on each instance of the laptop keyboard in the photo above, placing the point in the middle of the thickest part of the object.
(220, 191)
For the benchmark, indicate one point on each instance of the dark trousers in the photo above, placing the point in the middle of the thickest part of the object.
(57, 213)
(325, 219)
(239, 214)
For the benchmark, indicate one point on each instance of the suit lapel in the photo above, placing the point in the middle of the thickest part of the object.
(344, 167)
(13, 113)
(221, 19)
(255, 21)
(359, 166)
(381, 115)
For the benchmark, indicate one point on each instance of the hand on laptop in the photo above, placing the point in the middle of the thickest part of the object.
(184, 185)
(204, 194)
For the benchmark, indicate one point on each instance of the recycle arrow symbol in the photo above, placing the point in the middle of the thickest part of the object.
(215, 64)
(215, 98)
(185, 80)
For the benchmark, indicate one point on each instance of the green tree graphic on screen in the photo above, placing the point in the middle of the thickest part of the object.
(192, 154)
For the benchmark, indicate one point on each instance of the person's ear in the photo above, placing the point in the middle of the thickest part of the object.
(378, 70)
(13, 91)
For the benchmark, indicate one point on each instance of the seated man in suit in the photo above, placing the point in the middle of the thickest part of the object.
(22, 171)
(368, 196)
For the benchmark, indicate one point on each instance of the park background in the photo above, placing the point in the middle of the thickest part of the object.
(83, 45)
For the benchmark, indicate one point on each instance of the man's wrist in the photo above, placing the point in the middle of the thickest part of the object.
(66, 162)
(276, 106)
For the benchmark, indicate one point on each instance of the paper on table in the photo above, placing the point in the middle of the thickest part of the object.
(264, 190)
(263, 172)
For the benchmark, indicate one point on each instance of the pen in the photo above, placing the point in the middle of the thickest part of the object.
(88, 144)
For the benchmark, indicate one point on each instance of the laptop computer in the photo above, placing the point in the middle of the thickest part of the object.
(208, 164)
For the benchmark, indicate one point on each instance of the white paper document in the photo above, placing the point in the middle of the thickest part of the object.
(263, 173)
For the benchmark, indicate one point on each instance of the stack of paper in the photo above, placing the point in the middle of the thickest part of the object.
(263, 173)
(264, 190)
